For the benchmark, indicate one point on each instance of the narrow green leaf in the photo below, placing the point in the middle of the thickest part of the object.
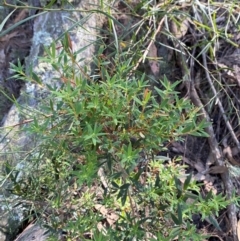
(175, 233)
(5, 20)
(8, 168)
(19, 23)
(179, 210)
(51, 105)
(123, 193)
(129, 150)
(138, 174)
(178, 183)
(114, 184)
(191, 196)
(175, 219)
(214, 222)
(36, 78)
(157, 181)
(187, 129)
(209, 196)
(50, 4)
(55, 66)
(187, 181)
(78, 106)
(137, 100)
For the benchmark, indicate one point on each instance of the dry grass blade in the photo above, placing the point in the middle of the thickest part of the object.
(142, 59)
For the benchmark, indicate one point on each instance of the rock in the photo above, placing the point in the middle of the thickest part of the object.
(33, 232)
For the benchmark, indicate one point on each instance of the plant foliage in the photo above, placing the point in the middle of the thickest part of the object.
(98, 166)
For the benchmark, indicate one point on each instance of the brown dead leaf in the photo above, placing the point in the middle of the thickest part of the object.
(236, 69)
(152, 59)
(2, 57)
(178, 147)
(202, 170)
(7, 37)
(179, 29)
(198, 165)
(199, 177)
(103, 178)
(101, 228)
(22, 14)
(209, 184)
(101, 209)
(218, 170)
(109, 215)
(238, 229)
(210, 159)
(112, 218)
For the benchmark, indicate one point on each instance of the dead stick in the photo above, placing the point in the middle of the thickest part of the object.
(219, 103)
(219, 161)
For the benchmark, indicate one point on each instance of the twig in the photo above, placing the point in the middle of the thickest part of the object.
(219, 160)
(219, 103)
(213, 141)
(150, 44)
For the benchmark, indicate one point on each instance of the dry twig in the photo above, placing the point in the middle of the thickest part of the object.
(219, 103)
(217, 153)
(219, 161)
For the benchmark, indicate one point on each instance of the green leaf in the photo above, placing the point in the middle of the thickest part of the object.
(114, 184)
(175, 219)
(209, 196)
(178, 185)
(5, 20)
(50, 4)
(19, 23)
(36, 78)
(123, 193)
(55, 66)
(157, 181)
(78, 108)
(187, 181)
(179, 210)
(138, 100)
(191, 195)
(187, 129)
(175, 232)
(138, 174)
(51, 105)
(214, 222)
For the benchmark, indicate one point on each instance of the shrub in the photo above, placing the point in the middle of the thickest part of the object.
(109, 132)
(97, 172)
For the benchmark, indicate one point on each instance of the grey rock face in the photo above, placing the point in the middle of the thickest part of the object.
(15, 143)
(33, 232)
